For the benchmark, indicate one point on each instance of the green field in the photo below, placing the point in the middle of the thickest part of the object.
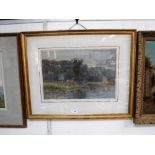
(2, 105)
(71, 85)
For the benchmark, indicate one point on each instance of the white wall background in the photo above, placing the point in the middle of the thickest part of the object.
(93, 127)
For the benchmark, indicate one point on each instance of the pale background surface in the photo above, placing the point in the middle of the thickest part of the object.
(115, 126)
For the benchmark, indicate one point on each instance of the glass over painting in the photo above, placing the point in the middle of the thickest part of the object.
(2, 98)
(74, 74)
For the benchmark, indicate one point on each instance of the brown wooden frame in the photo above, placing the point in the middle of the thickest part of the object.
(141, 118)
(24, 125)
(131, 32)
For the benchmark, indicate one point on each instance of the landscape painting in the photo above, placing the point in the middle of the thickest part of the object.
(2, 102)
(78, 73)
(149, 87)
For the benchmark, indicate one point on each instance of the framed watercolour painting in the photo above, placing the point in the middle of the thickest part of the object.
(12, 111)
(79, 73)
(145, 89)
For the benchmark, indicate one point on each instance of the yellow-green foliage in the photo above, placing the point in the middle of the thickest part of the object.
(2, 105)
(72, 85)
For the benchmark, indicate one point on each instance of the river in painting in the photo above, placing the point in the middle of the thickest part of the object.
(78, 73)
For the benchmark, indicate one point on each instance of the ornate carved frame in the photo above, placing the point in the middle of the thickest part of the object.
(140, 117)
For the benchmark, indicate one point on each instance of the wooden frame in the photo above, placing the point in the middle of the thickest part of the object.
(140, 116)
(21, 83)
(24, 36)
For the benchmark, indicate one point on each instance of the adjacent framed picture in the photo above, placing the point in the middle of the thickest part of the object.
(12, 109)
(79, 73)
(145, 82)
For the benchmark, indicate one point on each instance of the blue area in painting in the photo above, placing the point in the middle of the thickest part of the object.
(150, 51)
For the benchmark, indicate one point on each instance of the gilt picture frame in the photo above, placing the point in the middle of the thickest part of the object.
(12, 102)
(78, 73)
(145, 104)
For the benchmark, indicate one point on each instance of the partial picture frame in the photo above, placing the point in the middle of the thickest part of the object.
(12, 101)
(145, 79)
(79, 73)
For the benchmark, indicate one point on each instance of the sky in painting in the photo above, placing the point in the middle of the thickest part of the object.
(150, 51)
(91, 57)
